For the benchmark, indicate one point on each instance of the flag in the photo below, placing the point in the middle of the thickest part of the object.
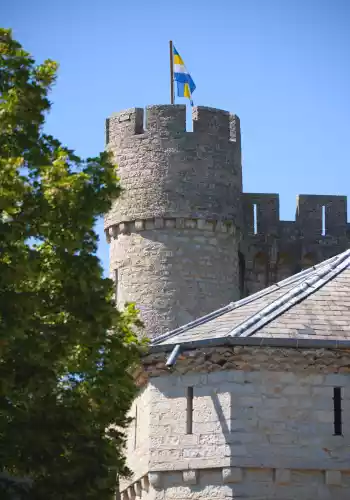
(185, 84)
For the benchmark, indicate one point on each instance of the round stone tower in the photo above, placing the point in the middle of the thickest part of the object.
(174, 232)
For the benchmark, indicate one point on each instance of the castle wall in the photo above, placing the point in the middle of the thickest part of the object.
(173, 231)
(274, 249)
(249, 419)
(263, 432)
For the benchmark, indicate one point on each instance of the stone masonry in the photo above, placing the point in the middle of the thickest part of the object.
(173, 233)
(184, 238)
(237, 416)
(262, 426)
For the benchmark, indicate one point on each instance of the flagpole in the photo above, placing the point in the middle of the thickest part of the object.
(171, 72)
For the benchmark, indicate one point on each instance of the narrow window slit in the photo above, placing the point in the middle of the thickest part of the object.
(189, 421)
(116, 285)
(337, 411)
(241, 267)
(255, 217)
(323, 220)
(135, 429)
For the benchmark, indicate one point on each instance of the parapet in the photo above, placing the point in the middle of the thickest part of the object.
(169, 172)
(126, 123)
(316, 216)
(260, 213)
(321, 214)
(171, 119)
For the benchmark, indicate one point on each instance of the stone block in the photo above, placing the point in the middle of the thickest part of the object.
(210, 462)
(206, 451)
(335, 380)
(131, 492)
(259, 474)
(190, 223)
(324, 416)
(139, 225)
(190, 476)
(201, 223)
(194, 379)
(114, 231)
(178, 465)
(296, 390)
(137, 488)
(232, 475)
(169, 223)
(145, 483)
(155, 479)
(333, 477)
(304, 476)
(231, 228)
(282, 377)
(312, 379)
(282, 476)
(123, 227)
(221, 227)
(180, 223)
(217, 377)
(205, 225)
(205, 439)
(159, 223)
(149, 224)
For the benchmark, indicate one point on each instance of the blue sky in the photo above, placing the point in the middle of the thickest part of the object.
(282, 65)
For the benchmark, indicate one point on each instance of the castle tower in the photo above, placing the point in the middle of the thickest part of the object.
(174, 232)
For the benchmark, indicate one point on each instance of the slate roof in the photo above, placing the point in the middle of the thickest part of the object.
(313, 304)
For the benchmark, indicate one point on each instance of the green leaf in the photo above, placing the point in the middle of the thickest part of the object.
(66, 353)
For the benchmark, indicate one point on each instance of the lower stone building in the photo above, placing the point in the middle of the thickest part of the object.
(252, 401)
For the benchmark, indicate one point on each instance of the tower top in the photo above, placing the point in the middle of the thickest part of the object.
(171, 119)
(167, 171)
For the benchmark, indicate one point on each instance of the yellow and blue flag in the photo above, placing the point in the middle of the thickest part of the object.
(185, 84)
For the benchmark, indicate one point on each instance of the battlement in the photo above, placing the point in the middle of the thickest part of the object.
(273, 249)
(171, 119)
(169, 172)
(316, 216)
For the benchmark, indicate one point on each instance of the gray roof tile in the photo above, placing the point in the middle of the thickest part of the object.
(312, 304)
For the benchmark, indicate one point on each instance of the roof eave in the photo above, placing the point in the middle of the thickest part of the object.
(255, 341)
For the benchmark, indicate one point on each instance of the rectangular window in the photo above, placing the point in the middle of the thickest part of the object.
(255, 218)
(337, 411)
(189, 421)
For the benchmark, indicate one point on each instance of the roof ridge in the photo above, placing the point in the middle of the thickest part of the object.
(242, 302)
(322, 275)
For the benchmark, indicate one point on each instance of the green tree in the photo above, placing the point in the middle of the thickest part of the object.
(66, 353)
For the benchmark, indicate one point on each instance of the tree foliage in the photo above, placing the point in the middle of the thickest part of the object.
(65, 351)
